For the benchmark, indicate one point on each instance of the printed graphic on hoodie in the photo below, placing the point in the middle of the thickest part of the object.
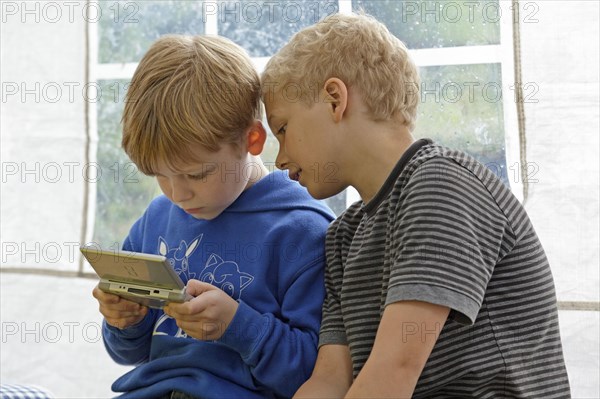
(225, 275)
(178, 257)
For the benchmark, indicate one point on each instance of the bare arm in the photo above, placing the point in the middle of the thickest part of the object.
(406, 336)
(332, 375)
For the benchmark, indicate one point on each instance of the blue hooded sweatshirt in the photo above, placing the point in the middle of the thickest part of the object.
(266, 250)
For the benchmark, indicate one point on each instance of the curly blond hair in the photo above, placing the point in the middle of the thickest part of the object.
(357, 49)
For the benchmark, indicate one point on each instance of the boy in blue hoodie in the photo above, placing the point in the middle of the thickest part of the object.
(248, 244)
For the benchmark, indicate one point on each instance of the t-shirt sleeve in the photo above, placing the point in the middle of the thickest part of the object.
(448, 235)
(332, 325)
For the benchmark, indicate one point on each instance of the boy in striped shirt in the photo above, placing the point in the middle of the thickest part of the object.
(436, 282)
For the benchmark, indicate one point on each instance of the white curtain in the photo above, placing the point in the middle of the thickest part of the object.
(50, 322)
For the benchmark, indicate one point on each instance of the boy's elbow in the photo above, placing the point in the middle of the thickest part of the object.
(127, 359)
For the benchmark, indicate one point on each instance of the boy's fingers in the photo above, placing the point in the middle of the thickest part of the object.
(115, 314)
(129, 305)
(115, 301)
(174, 310)
(119, 312)
(111, 299)
(104, 296)
(121, 306)
(123, 322)
(186, 310)
(120, 315)
(196, 287)
(98, 293)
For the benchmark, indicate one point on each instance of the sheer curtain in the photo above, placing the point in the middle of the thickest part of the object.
(56, 96)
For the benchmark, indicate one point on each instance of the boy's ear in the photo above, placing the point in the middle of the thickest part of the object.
(255, 138)
(336, 96)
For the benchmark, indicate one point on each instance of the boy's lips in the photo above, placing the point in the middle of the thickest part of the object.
(193, 210)
(295, 175)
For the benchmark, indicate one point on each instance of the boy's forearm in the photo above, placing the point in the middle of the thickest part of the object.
(281, 351)
(129, 346)
(384, 382)
(279, 355)
(332, 375)
(373, 382)
(321, 388)
(396, 361)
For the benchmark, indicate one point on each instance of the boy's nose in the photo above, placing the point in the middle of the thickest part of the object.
(281, 161)
(180, 192)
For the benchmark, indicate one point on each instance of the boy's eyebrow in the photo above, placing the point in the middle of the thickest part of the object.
(272, 116)
(273, 121)
(202, 166)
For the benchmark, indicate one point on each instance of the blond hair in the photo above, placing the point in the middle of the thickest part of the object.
(361, 52)
(186, 91)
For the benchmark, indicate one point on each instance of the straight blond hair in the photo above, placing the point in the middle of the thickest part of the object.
(187, 91)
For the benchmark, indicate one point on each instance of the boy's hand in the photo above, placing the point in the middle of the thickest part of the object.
(119, 312)
(206, 316)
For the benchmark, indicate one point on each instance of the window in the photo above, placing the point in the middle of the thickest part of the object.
(463, 49)
(125, 31)
(458, 48)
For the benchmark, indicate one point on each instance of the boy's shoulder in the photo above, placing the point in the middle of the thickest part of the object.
(276, 192)
(443, 157)
(440, 177)
(159, 205)
(435, 164)
(426, 165)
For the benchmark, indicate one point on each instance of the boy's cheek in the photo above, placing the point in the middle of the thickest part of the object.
(164, 186)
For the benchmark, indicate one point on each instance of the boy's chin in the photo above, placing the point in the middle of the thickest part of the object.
(323, 192)
(206, 216)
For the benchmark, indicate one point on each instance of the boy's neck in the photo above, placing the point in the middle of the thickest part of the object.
(378, 152)
(258, 168)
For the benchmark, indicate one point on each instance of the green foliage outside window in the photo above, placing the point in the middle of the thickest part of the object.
(122, 192)
(263, 27)
(128, 28)
(462, 107)
(433, 24)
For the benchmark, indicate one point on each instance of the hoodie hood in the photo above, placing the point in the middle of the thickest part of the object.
(277, 191)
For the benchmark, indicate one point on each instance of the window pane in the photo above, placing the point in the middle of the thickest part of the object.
(128, 28)
(263, 27)
(337, 203)
(431, 24)
(122, 192)
(461, 107)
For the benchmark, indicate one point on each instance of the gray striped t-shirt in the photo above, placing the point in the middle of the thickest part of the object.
(444, 230)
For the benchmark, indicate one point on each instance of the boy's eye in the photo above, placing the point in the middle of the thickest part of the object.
(197, 177)
(282, 129)
(206, 171)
